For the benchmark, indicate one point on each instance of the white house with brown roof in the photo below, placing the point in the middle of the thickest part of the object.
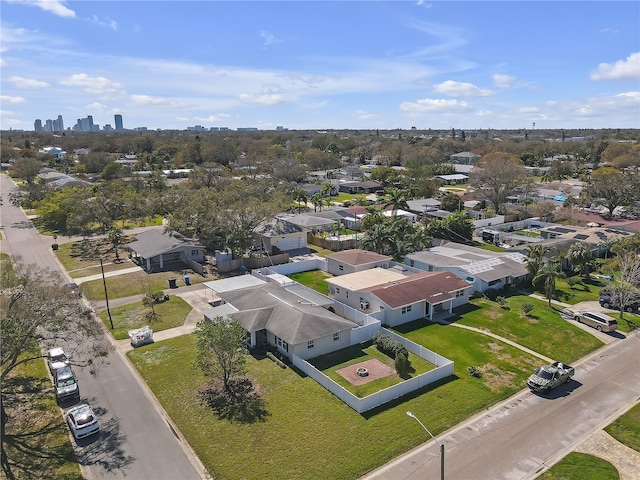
(401, 298)
(355, 260)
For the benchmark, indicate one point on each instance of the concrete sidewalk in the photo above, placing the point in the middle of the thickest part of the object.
(114, 273)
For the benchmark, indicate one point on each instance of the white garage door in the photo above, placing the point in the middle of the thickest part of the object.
(291, 243)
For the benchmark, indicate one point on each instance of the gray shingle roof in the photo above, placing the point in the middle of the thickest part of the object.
(152, 242)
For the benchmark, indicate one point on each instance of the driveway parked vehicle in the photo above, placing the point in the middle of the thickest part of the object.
(607, 301)
(597, 320)
(66, 384)
(82, 421)
(57, 358)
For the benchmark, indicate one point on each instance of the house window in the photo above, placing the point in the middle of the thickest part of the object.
(347, 293)
(431, 268)
(310, 344)
(336, 337)
(338, 290)
(494, 282)
(194, 253)
(459, 293)
(341, 267)
(406, 309)
(279, 341)
(411, 263)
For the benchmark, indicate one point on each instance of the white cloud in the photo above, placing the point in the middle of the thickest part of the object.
(21, 82)
(628, 68)
(153, 101)
(265, 99)
(461, 89)
(96, 106)
(12, 100)
(434, 105)
(528, 110)
(213, 118)
(57, 7)
(364, 115)
(269, 38)
(90, 84)
(502, 80)
(107, 22)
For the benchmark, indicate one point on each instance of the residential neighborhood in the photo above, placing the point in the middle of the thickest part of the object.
(349, 306)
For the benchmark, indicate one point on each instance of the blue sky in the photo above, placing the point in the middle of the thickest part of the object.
(322, 65)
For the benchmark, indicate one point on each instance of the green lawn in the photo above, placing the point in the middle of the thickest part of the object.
(626, 429)
(314, 279)
(581, 466)
(543, 330)
(310, 434)
(589, 290)
(330, 364)
(136, 283)
(37, 438)
(169, 314)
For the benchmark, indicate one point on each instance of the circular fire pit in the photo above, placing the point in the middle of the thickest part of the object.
(363, 372)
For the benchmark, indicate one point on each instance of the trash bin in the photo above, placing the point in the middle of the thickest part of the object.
(187, 280)
(54, 246)
(172, 282)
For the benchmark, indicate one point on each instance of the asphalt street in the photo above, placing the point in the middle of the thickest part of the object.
(137, 442)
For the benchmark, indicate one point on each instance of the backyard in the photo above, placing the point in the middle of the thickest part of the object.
(332, 363)
(314, 279)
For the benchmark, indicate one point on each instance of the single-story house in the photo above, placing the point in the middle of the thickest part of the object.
(389, 212)
(346, 288)
(275, 317)
(281, 235)
(416, 296)
(360, 187)
(156, 251)
(481, 268)
(420, 206)
(454, 178)
(355, 260)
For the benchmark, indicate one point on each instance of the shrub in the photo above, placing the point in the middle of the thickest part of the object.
(389, 345)
(402, 364)
(502, 301)
(474, 372)
(571, 281)
(491, 293)
(527, 308)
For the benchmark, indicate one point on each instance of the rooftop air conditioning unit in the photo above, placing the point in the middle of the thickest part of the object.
(364, 305)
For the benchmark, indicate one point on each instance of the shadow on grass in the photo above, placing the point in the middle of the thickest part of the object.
(338, 357)
(409, 396)
(240, 402)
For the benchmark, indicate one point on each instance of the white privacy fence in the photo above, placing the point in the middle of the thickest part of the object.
(444, 368)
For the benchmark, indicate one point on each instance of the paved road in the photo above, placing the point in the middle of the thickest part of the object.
(137, 442)
(522, 436)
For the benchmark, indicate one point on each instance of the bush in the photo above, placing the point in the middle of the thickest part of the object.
(402, 365)
(502, 301)
(474, 372)
(389, 346)
(491, 293)
(527, 308)
(571, 281)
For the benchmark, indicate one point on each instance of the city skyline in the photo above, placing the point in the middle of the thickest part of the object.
(321, 65)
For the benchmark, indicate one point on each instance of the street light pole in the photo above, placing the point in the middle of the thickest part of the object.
(436, 440)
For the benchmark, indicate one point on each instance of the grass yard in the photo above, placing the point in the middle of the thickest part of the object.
(321, 252)
(581, 466)
(587, 291)
(330, 363)
(313, 279)
(626, 429)
(306, 431)
(137, 283)
(543, 330)
(37, 439)
(170, 314)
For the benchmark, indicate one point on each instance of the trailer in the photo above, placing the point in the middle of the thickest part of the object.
(141, 336)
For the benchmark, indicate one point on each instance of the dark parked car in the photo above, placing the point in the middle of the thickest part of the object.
(607, 301)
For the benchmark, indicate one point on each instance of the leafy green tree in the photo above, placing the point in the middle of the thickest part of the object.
(456, 227)
(26, 168)
(613, 187)
(221, 349)
(451, 203)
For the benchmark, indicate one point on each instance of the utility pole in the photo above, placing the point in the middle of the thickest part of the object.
(106, 297)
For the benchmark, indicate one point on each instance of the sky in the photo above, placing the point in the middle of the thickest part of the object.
(322, 65)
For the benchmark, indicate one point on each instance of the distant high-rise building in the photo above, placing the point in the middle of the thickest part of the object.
(37, 125)
(60, 124)
(118, 119)
(48, 126)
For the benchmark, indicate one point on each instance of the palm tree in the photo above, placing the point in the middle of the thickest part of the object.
(317, 199)
(300, 196)
(376, 238)
(397, 199)
(535, 258)
(579, 256)
(546, 277)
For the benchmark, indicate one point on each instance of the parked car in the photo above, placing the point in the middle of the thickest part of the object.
(57, 358)
(550, 376)
(600, 321)
(607, 301)
(82, 421)
(66, 384)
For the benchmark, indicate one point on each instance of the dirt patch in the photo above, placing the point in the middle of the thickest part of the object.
(494, 347)
(495, 378)
(375, 368)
